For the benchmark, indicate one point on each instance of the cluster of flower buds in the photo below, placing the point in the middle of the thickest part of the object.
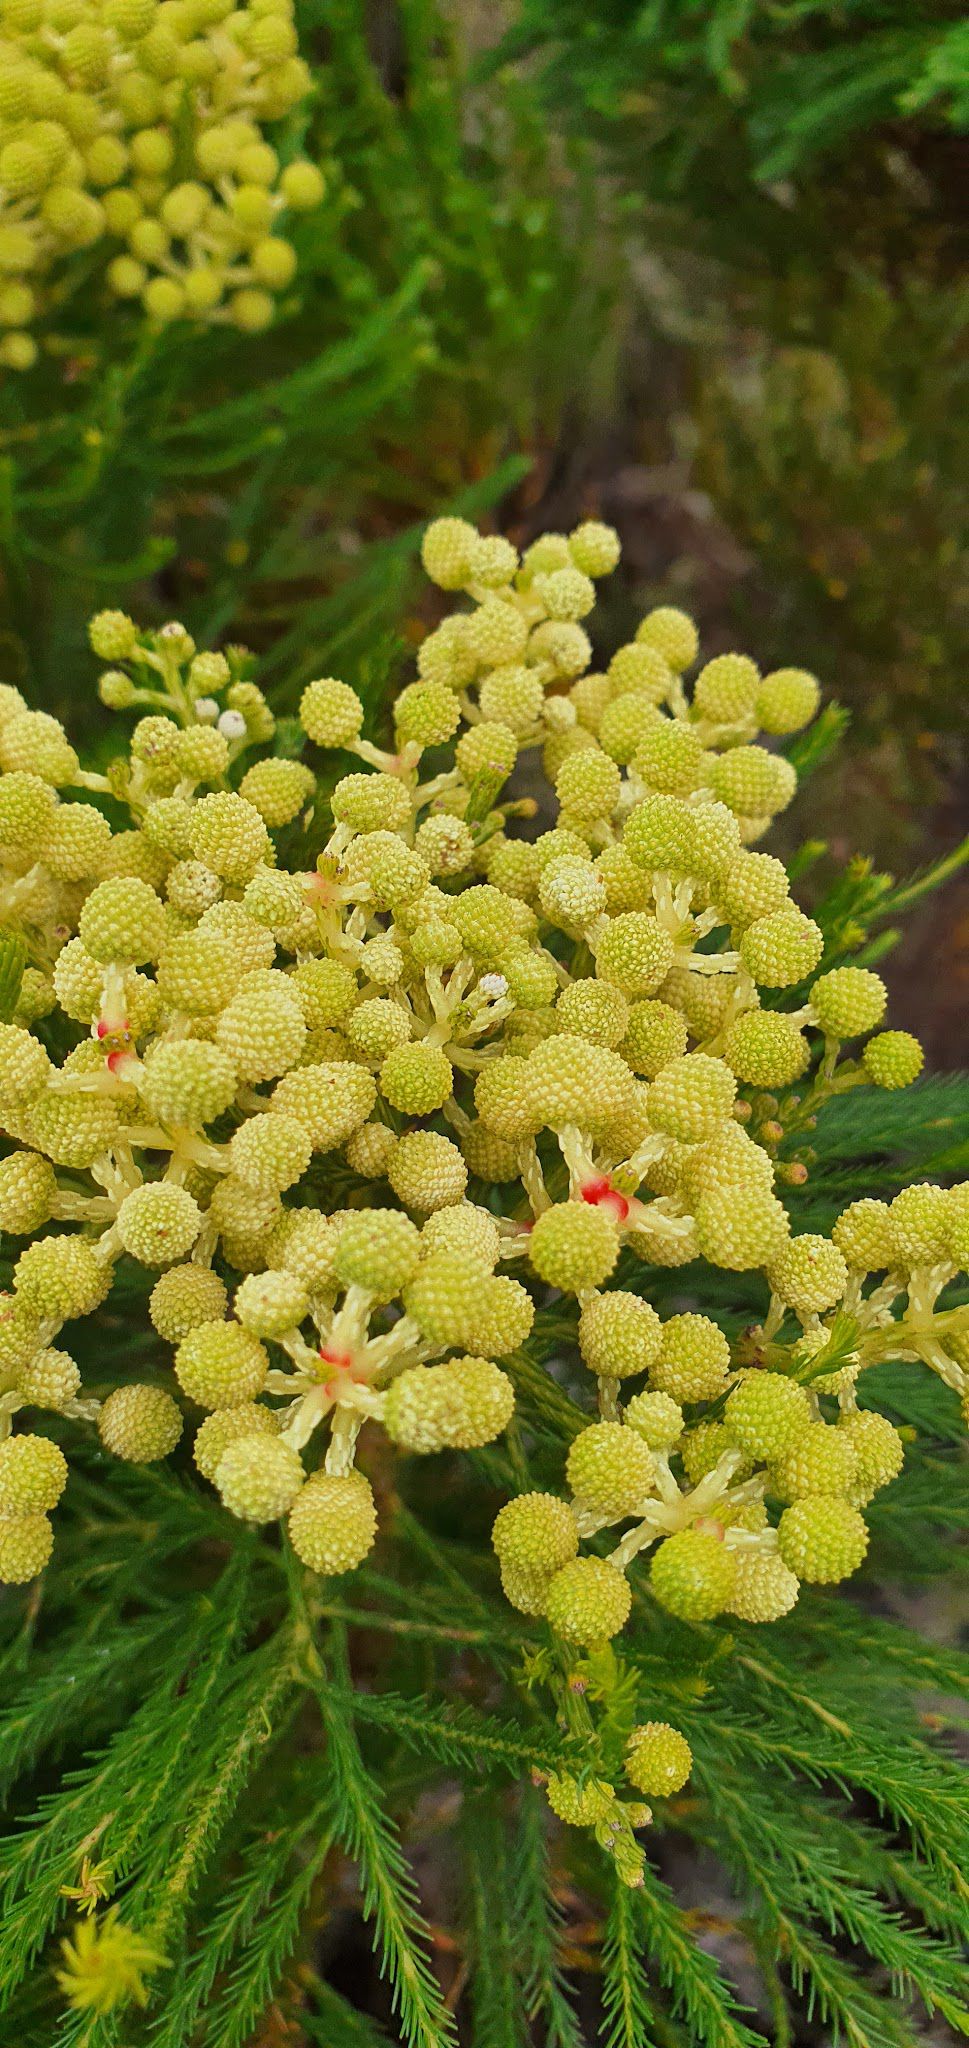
(514, 1053)
(138, 125)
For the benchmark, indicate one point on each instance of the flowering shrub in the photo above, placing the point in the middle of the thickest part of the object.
(139, 125)
(521, 1059)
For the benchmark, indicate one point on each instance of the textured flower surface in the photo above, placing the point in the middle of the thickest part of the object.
(355, 1117)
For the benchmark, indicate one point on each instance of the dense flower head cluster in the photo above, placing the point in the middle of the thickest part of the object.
(139, 127)
(536, 1032)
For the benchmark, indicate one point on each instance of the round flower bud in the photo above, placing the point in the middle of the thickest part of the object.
(463, 1228)
(370, 1150)
(693, 1359)
(417, 1079)
(693, 1575)
(278, 790)
(61, 1277)
(140, 1424)
(76, 842)
(28, 1191)
(427, 1172)
(610, 1470)
(619, 1334)
(504, 1319)
(333, 1522)
(848, 1001)
(259, 1477)
(822, 1540)
(691, 1097)
(658, 1759)
(226, 1426)
(457, 1406)
(893, 1060)
(271, 1304)
(671, 759)
(112, 635)
(220, 1365)
(426, 714)
(377, 1025)
(754, 886)
(330, 713)
(270, 1152)
(51, 1380)
(726, 688)
(33, 1475)
(446, 551)
(787, 700)
(635, 952)
(588, 1602)
(766, 1049)
(445, 1296)
(571, 893)
(656, 1418)
(809, 1274)
(228, 834)
(26, 1542)
(252, 944)
(865, 1238)
(764, 1588)
(594, 1009)
(37, 744)
(158, 1223)
(767, 1414)
(122, 920)
(262, 1032)
(26, 812)
(574, 1246)
(753, 782)
(821, 1461)
(188, 1081)
(183, 1298)
(378, 1249)
(921, 1217)
(595, 548)
(672, 633)
(877, 1447)
(325, 990)
(579, 1806)
(656, 1035)
(489, 750)
(330, 1100)
(535, 1534)
(781, 949)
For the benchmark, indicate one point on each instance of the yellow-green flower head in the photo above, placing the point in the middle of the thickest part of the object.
(822, 1539)
(220, 1365)
(766, 1049)
(823, 1460)
(767, 1414)
(753, 886)
(878, 1451)
(726, 689)
(26, 1542)
(33, 1475)
(693, 1359)
(271, 1304)
(894, 1059)
(619, 1335)
(330, 1099)
(781, 949)
(61, 1277)
(865, 1237)
(333, 1522)
(259, 1477)
(459, 1405)
(672, 633)
(610, 1470)
(764, 1588)
(786, 700)
(658, 1759)
(809, 1274)
(427, 1172)
(656, 1418)
(693, 1574)
(574, 1246)
(848, 1001)
(588, 1602)
(140, 1424)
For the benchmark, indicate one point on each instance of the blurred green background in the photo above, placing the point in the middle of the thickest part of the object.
(698, 269)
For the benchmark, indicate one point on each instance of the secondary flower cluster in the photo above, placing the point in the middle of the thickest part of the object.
(140, 123)
(516, 1057)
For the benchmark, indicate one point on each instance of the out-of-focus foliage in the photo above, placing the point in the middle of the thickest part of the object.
(791, 179)
(421, 339)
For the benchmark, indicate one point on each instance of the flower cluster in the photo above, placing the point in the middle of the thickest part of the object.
(524, 1055)
(140, 124)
